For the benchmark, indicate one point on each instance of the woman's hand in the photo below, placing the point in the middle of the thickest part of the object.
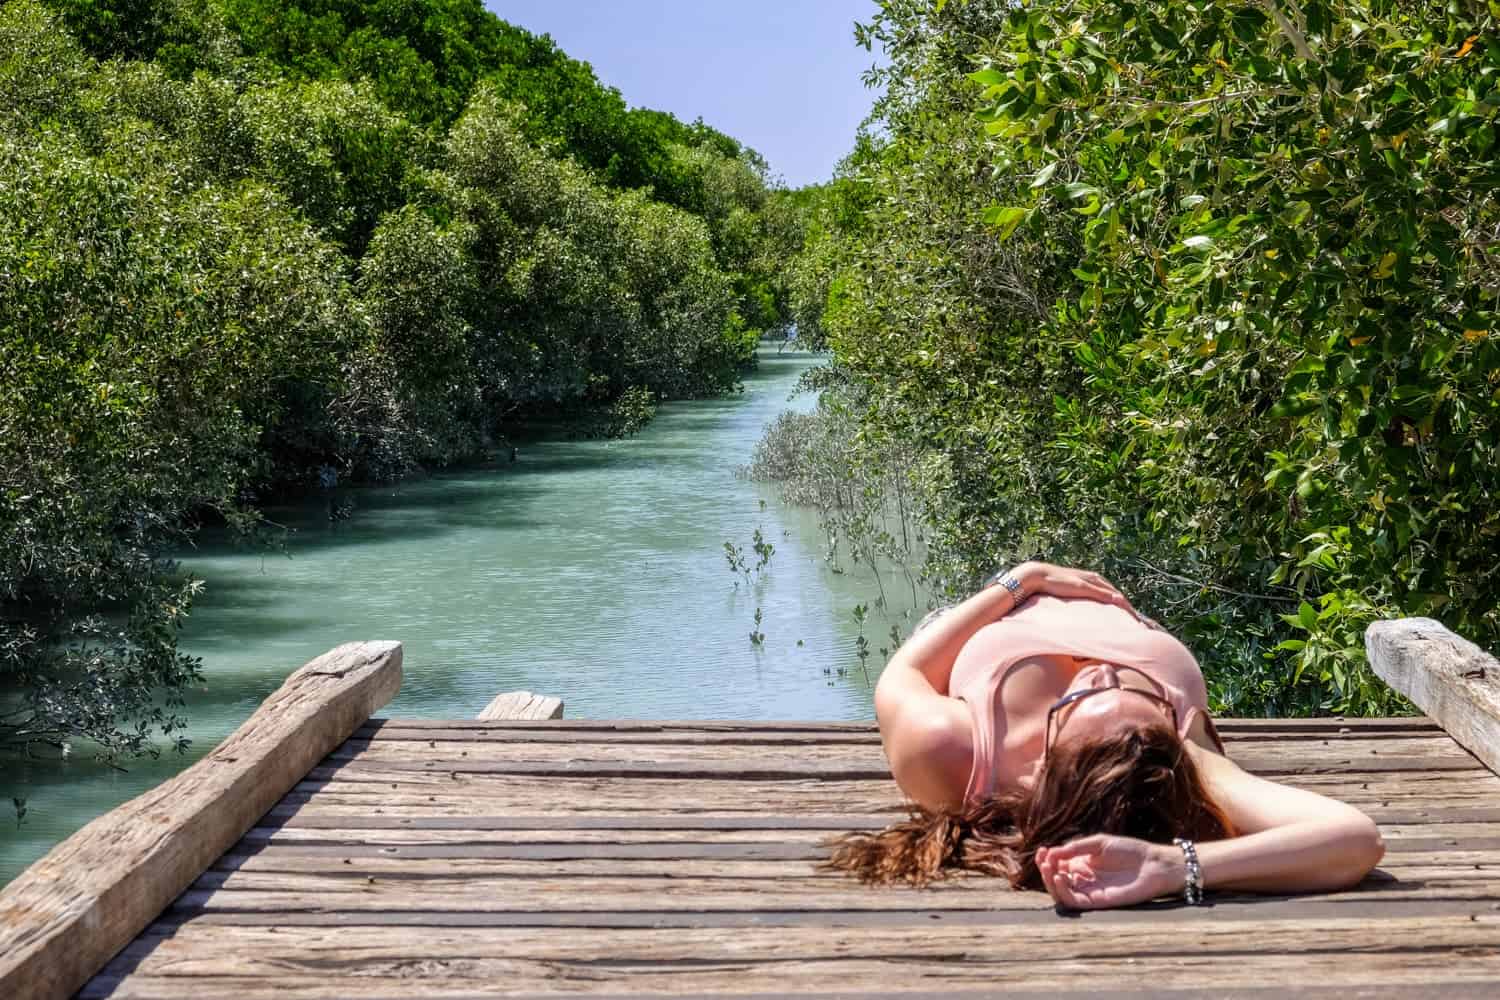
(1103, 871)
(1063, 581)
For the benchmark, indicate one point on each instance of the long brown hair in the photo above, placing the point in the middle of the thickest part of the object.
(1140, 783)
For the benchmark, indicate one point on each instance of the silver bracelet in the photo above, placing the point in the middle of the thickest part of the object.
(1192, 886)
(1007, 580)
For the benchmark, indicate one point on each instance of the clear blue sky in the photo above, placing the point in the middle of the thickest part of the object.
(782, 76)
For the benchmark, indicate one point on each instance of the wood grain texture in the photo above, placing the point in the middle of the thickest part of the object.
(1446, 675)
(868, 760)
(521, 706)
(994, 968)
(668, 859)
(203, 954)
(70, 911)
(1225, 726)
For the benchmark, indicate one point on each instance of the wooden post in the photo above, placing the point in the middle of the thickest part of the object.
(70, 912)
(1446, 676)
(521, 706)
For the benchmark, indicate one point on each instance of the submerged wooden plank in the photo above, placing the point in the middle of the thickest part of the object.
(521, 705)
(69, 912)
(1444, 674)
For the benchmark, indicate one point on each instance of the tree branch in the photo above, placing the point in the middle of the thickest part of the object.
(1290, 30)
(1177, 578)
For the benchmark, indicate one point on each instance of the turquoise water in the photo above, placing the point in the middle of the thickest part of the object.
(589, 570)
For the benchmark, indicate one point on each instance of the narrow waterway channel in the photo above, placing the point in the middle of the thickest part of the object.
(590, 570)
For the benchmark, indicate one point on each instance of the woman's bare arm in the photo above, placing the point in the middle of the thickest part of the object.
(1290, 840)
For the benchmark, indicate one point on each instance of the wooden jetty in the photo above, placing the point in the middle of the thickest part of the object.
(319, 853)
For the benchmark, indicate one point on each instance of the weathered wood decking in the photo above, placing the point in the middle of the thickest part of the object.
(315, 854)
(467, 859)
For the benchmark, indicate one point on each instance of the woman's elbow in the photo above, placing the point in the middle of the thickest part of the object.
(1371, 845)
(1362, 847)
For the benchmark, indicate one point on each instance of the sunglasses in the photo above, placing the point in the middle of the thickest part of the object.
(1062, 710)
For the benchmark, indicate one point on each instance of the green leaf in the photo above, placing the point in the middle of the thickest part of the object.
(1294, 213)
(1295, 406)
(1007, 218)
(1045, 174)
(1078, 189)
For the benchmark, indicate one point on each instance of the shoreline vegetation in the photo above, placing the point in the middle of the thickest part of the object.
(252, 250)
(1201, 295)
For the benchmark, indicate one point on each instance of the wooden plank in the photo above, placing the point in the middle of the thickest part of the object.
(406, 793)
(1416, 865)
(1352, 907)
(473, 891)
(193, 949)
(350, 810)
(687, 790)
(196, 951)
(434, 734)
(1398, 840)
(1446, 675)
(1408, 754)
(69, 912)
(1462, 990)
(829, 822)
(1225, 726)
(703, 767)
(521, 706)
(995, 968)
(288, 837)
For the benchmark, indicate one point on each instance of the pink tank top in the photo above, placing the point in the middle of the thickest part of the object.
(1051, 626)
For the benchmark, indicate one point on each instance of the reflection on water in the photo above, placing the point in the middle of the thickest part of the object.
(590, 570)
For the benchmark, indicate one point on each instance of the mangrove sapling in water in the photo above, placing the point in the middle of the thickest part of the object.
(863, 490)
(736, 560)
(861, 644)
(734, 555)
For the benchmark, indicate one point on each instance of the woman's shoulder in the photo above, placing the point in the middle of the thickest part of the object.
(931, 752)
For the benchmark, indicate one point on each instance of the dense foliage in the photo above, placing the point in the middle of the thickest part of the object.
(1204, 292)
(250, 248)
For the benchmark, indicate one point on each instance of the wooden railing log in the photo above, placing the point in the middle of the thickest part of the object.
(64, 917)
(1445, 675)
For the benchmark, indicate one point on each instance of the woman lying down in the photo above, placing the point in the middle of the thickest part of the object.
(1050, 734)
